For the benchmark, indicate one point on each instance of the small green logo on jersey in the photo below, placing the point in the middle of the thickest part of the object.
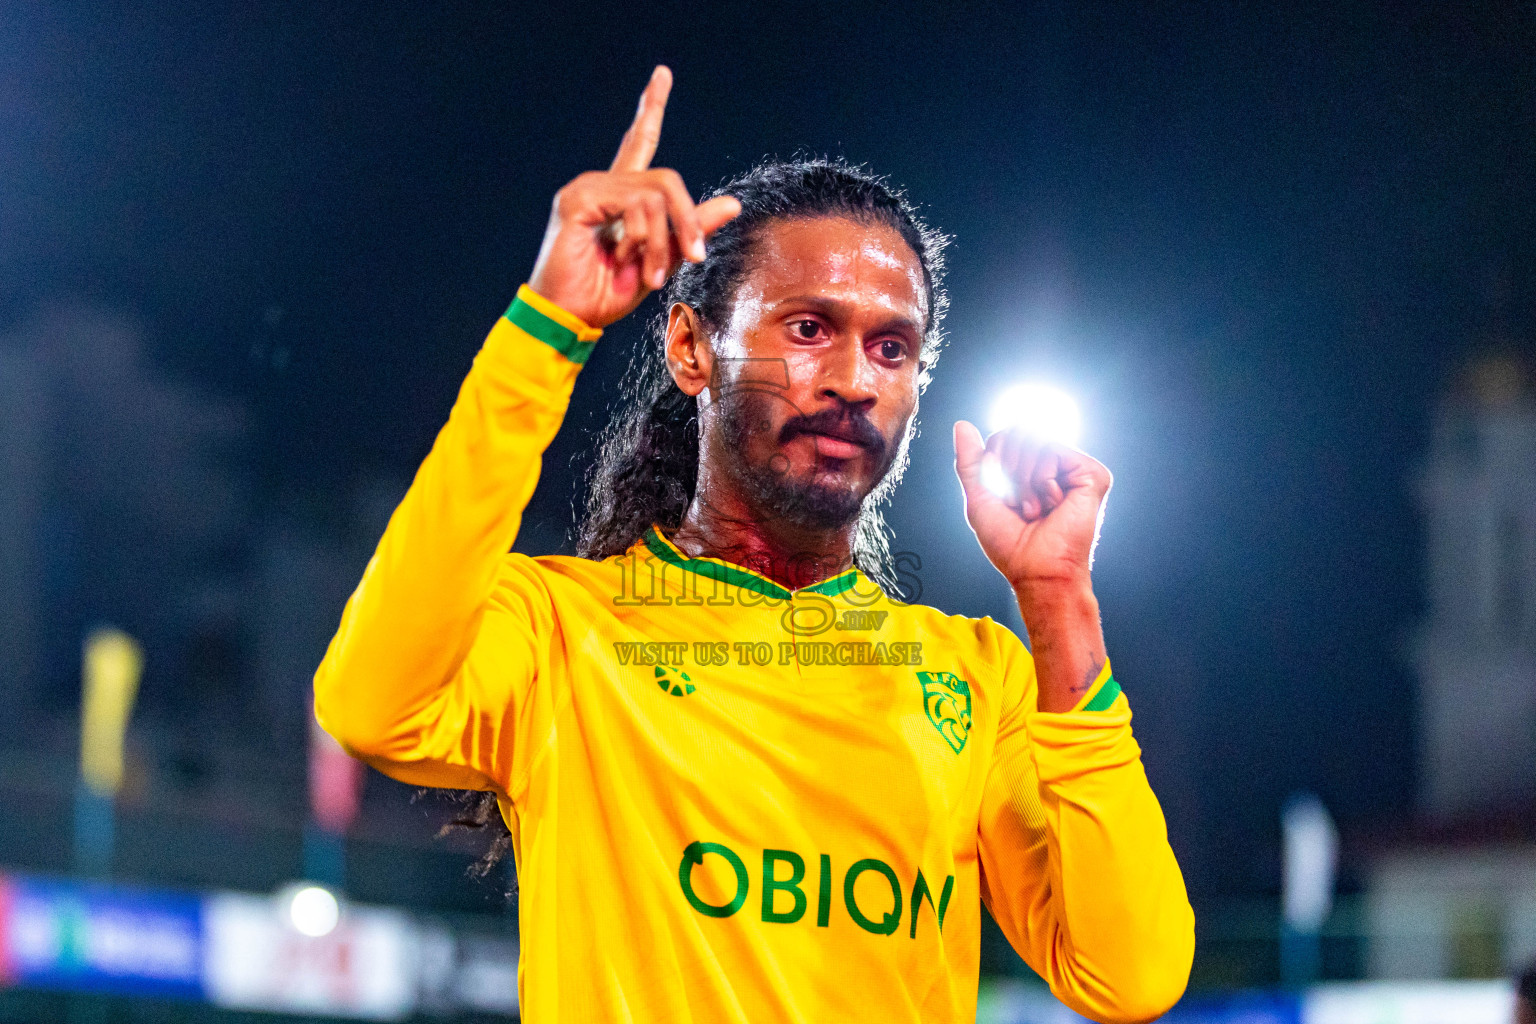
(947, 699)
(674, 680)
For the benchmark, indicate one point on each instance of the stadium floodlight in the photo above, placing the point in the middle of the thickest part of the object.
(1040, 410)
(313, 910)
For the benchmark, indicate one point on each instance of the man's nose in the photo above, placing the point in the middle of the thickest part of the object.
(848, 375)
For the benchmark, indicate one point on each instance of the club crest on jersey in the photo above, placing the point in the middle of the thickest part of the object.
(947, 699)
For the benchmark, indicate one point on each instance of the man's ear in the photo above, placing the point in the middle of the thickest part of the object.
(689, 357)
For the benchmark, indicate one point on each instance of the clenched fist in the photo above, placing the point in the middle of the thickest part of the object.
(1044, 530)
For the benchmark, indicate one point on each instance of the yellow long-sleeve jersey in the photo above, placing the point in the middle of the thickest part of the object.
(730, 802)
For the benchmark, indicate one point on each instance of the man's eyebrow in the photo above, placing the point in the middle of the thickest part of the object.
(832, 307)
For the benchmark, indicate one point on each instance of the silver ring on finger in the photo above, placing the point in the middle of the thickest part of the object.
(611, 233)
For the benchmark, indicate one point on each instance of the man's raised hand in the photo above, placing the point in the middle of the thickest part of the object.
(615, 236)
(1041, 533)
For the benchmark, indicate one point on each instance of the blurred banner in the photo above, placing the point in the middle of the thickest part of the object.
(111, 663)
(94, 938)
(467, 972)
(1370, 1002)
(1020, 1003)
(243, 952)
(255, 960)
(1311, 860)
(335, 793)
(335, 781)
(1409, 1002)
(111, 666)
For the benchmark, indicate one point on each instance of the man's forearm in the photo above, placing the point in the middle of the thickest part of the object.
(1066, 639)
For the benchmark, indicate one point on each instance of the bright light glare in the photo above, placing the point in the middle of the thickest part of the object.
(1040, 411)
(314, 911)
(994, 479)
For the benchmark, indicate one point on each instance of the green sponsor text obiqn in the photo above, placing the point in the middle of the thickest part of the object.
(784, 900)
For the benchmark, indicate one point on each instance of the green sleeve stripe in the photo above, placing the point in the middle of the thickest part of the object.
(1105, 697)
(557, 336)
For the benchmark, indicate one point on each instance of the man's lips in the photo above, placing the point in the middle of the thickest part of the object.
(831, 446)
(836, 437)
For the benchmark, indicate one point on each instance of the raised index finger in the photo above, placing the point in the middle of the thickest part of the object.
(639, 143)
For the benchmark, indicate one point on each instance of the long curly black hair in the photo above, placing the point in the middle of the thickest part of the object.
(648, 455)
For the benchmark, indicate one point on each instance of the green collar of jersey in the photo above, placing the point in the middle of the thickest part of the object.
(737, 576)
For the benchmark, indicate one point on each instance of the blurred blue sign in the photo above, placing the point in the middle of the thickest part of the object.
(71, 935)
(1239, 1008)
(1013, 1002)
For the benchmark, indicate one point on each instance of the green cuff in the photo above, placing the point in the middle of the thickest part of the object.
(551, 332)
(1105, 697)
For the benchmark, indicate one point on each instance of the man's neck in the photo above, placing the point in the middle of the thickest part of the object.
(724, 528)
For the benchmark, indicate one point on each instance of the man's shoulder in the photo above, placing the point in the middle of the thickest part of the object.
(984, 632)
(567, 588)
(571, 567)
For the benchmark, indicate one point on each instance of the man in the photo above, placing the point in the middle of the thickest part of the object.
(743, 783)
(1525, 996)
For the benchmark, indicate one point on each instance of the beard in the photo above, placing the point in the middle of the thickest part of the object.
(812, 503)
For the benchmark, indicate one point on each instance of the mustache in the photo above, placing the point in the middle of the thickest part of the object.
(845, 424)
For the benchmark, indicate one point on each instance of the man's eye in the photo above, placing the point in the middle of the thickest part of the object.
(892, 350)
(807, 329)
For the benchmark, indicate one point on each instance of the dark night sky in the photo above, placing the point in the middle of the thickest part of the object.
(1255, 240)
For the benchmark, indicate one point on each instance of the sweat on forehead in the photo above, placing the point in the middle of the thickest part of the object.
(786, 191)
(844, 262)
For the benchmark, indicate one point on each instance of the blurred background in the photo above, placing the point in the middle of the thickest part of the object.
(1283, 257)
